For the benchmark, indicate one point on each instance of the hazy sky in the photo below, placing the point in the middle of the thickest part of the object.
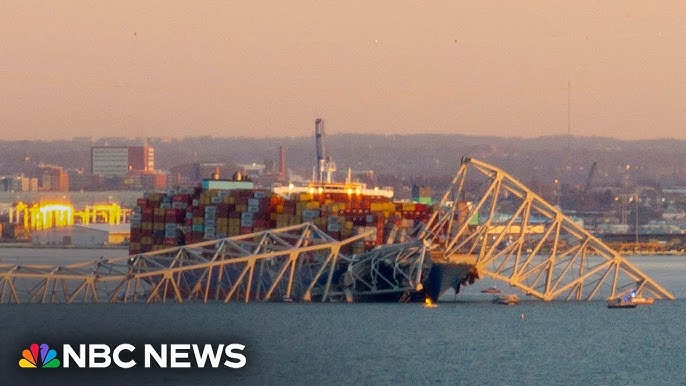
(267, 68)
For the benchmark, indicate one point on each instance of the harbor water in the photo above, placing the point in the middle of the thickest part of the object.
(468, 341)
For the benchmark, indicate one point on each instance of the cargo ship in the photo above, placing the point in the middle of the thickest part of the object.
(223, 208)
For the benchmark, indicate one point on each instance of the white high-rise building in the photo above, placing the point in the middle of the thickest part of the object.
(109, 161)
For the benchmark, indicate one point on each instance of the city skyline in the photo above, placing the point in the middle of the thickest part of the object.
(174, 69)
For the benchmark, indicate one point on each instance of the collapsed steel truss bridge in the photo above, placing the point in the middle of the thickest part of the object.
(510, 234)
(488, 224)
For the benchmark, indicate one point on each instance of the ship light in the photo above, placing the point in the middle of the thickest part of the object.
(376, 188)
(321, 189)
(350, 191)
(358, 191)
(291, 186)
(311, 190)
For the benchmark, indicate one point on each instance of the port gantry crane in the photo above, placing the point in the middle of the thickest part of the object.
(487, 224)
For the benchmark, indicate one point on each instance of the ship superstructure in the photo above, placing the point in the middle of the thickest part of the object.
(322, 181)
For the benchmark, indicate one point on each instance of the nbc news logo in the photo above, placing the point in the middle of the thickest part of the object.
(39, 356)
(123, 356)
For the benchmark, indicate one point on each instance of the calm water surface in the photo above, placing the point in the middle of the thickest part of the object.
(464, 342)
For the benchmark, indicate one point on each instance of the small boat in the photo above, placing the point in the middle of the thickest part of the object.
(509, 299)
(491, 290)
(620, 303)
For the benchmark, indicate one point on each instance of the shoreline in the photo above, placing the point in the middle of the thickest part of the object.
(28, 245)
(67, 247)
(653, 253)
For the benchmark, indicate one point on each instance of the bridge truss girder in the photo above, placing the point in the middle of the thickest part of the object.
(297, 263)
(520, 239)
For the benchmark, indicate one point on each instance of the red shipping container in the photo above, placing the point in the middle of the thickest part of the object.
(196, 237)
(182, 198)
(225, 210)
(261, 223)
(147, 214)
(175, 216)
(136, 235)
(261, 216)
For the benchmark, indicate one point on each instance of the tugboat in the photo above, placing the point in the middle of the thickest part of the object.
(631, 301)
(621, 303)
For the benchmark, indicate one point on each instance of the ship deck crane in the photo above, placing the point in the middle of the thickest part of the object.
(325, 164)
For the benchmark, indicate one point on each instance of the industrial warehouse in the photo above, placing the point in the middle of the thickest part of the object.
(83, 236)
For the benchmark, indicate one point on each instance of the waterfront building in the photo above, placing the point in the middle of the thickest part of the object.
(54, 179)
(117, 161)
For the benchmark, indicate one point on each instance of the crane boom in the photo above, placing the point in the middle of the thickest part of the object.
(319, 146)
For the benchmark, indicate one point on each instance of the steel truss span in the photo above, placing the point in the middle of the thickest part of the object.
(516, 237)
(292, 263)
(487, 224)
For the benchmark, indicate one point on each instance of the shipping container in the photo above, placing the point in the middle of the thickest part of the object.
(216, 213)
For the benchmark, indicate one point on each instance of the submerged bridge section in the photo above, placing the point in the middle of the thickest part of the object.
(486, 225)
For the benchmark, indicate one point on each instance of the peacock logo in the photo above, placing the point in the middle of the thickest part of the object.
(31, 358)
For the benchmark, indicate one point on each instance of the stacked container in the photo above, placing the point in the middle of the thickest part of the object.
(191, 215)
